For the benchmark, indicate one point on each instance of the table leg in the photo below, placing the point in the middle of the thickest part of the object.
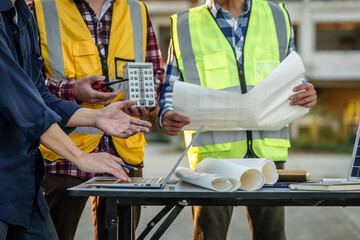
(125, 223)
(167, 222)
(111, 218)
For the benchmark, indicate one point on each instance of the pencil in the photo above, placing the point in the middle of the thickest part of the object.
(127, 166)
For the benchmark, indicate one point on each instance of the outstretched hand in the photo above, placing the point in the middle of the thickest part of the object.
(114, 122)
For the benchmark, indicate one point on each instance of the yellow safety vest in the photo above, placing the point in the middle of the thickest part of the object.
(70, 53)
(206, 58)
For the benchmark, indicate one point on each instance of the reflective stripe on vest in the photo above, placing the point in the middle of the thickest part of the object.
(56, 59)
(191, 72)
(206, 138)
(87, 130)
(280, 24)
(187, 40)
(137, 29)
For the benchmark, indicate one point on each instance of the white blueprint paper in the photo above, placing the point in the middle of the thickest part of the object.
(206, 180)
(265, 107)
(265, 165)
(250, 178)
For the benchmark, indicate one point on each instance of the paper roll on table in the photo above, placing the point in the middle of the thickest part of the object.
(230, 174)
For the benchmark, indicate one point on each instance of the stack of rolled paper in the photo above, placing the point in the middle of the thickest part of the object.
(230, 174)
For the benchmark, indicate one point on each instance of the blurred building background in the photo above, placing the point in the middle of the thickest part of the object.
(327, 37)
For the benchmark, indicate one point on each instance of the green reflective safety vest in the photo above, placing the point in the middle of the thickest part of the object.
(206, 58)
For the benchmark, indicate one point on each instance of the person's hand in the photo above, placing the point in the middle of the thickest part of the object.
(103, 163)
(141, 111)
(114, 122)
(173, 123)
(305, 96)
(84, 92)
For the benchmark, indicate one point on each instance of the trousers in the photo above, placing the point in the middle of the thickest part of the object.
(66, 210)
(39, 229)
(212, 222)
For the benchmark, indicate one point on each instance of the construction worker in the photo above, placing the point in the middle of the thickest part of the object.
(30, 114)
(90, 41)
(231, 45)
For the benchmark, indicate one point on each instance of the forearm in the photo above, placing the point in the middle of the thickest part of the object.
(57, 140)
(83, 117)
(172, 75)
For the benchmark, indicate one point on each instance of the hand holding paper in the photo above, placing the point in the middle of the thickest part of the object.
(265, 107)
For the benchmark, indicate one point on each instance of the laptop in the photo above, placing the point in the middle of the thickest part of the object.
(141, 182)
(354, 169)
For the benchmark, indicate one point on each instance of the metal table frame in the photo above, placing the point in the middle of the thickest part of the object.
(175, 201)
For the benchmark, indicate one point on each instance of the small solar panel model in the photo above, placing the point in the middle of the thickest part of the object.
(139, 86)
(354, 169)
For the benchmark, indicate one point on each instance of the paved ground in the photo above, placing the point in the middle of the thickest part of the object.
(302, 223)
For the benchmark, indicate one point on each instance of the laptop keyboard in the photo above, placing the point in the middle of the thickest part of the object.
(146, 179)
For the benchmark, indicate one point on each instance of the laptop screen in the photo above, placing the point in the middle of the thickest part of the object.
(354, 169)
(183, 154)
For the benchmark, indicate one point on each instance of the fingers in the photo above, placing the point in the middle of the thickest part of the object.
(128, 111)
(127, 104)
(306, 96)
(141, 123)
(94, 78)
(114, 168)
(84, 92)
(172, 131)
(103, 98)
(137, 111)
(135, 126)
(174, 117)
(173, 123)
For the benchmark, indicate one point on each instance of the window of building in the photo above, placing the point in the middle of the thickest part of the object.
(351, 117)
(338, 36)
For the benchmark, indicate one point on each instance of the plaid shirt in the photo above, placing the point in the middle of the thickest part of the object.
(233, 30)
(99, 28)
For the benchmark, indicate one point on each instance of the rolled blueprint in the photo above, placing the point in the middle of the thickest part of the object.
(265, 107)
(250, 179)
(265, 165)
(206, 180)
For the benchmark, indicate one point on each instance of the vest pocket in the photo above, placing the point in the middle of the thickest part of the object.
(85, 58)
(131, 150)
(273, 139)
(216, 71)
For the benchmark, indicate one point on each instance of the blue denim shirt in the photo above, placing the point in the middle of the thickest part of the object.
(27, 110)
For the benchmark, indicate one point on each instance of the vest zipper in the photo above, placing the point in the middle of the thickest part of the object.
(243, 87)
(250, 152)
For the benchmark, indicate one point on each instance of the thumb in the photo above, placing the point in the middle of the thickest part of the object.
(128, 103)
(94, 78)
